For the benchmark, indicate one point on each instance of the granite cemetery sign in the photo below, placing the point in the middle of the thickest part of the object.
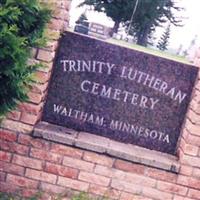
(126, 95)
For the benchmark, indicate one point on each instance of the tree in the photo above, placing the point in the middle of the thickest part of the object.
(164, 40)
(148, 15)
(118, 10)
(22, 24)
(151, 14)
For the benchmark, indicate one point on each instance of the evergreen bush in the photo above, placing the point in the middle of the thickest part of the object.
(164, 40)
(22, 25)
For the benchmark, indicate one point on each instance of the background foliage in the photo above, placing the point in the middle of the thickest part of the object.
(22, 24)
(80, 196)
(148, 15)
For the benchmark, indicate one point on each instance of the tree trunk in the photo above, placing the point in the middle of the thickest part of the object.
(115, 28)
(142, 40)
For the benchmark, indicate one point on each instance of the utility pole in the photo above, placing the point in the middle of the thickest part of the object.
(134, 10)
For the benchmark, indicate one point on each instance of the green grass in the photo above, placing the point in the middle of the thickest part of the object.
(148, 50)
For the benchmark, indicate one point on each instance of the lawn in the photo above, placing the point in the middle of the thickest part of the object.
(148, 50)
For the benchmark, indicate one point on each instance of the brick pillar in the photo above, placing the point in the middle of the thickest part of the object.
(27, 114)
(189, 149)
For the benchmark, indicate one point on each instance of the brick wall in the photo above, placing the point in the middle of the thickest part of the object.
(28, 165)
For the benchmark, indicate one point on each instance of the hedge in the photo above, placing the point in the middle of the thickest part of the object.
(22, 26)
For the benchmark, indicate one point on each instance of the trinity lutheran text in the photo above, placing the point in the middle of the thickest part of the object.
(129, 73)
(134, 130)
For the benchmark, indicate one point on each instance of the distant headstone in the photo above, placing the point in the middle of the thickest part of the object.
(119, 93)
(99, 30)
(79, 28)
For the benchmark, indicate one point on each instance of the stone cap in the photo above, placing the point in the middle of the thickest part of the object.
(106, 146)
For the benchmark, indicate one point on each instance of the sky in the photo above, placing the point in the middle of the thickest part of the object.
(179, 35)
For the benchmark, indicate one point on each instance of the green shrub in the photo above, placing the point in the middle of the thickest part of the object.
(22, 25)
(85, 196)
(80, 196)
(7, 196)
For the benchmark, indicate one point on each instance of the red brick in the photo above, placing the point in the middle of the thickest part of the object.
(78, 164)
(8, 187)
(126, 186)
(194, 117)
(161, 175)
(99, 159)
(10, 168)
(8, 136)
(45, 55)
(104, 191)
(197, 86)
(110, 172)
(37, 143)
(5, 145)
(28, 193)
(172, 188)
(194, 140)
(182, 142)
(61, 170)
(34, 97)
(47, 187)
(21, 181)
(30, 108)
(61, 14)
(140, 180)
(191, 150)
(5, 156)
(45, 155)
(29, 118)
(196, 172)
(14, 147)
(192, 128)
(177, 197)
(121, 175)
(196, 96)
(73, 184)
(129, 167)
(39, 88)
(195, 194)
(27, 162)
(128, 196)
(156, 194)
(190, 160)
(16, 126)
(185, 134)
(2, 175)
(56, 24)
(14, 115)
(189, 181)
(26, 139)
(41, 176)
(93, 178)
(68, 151)
(186, 170)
